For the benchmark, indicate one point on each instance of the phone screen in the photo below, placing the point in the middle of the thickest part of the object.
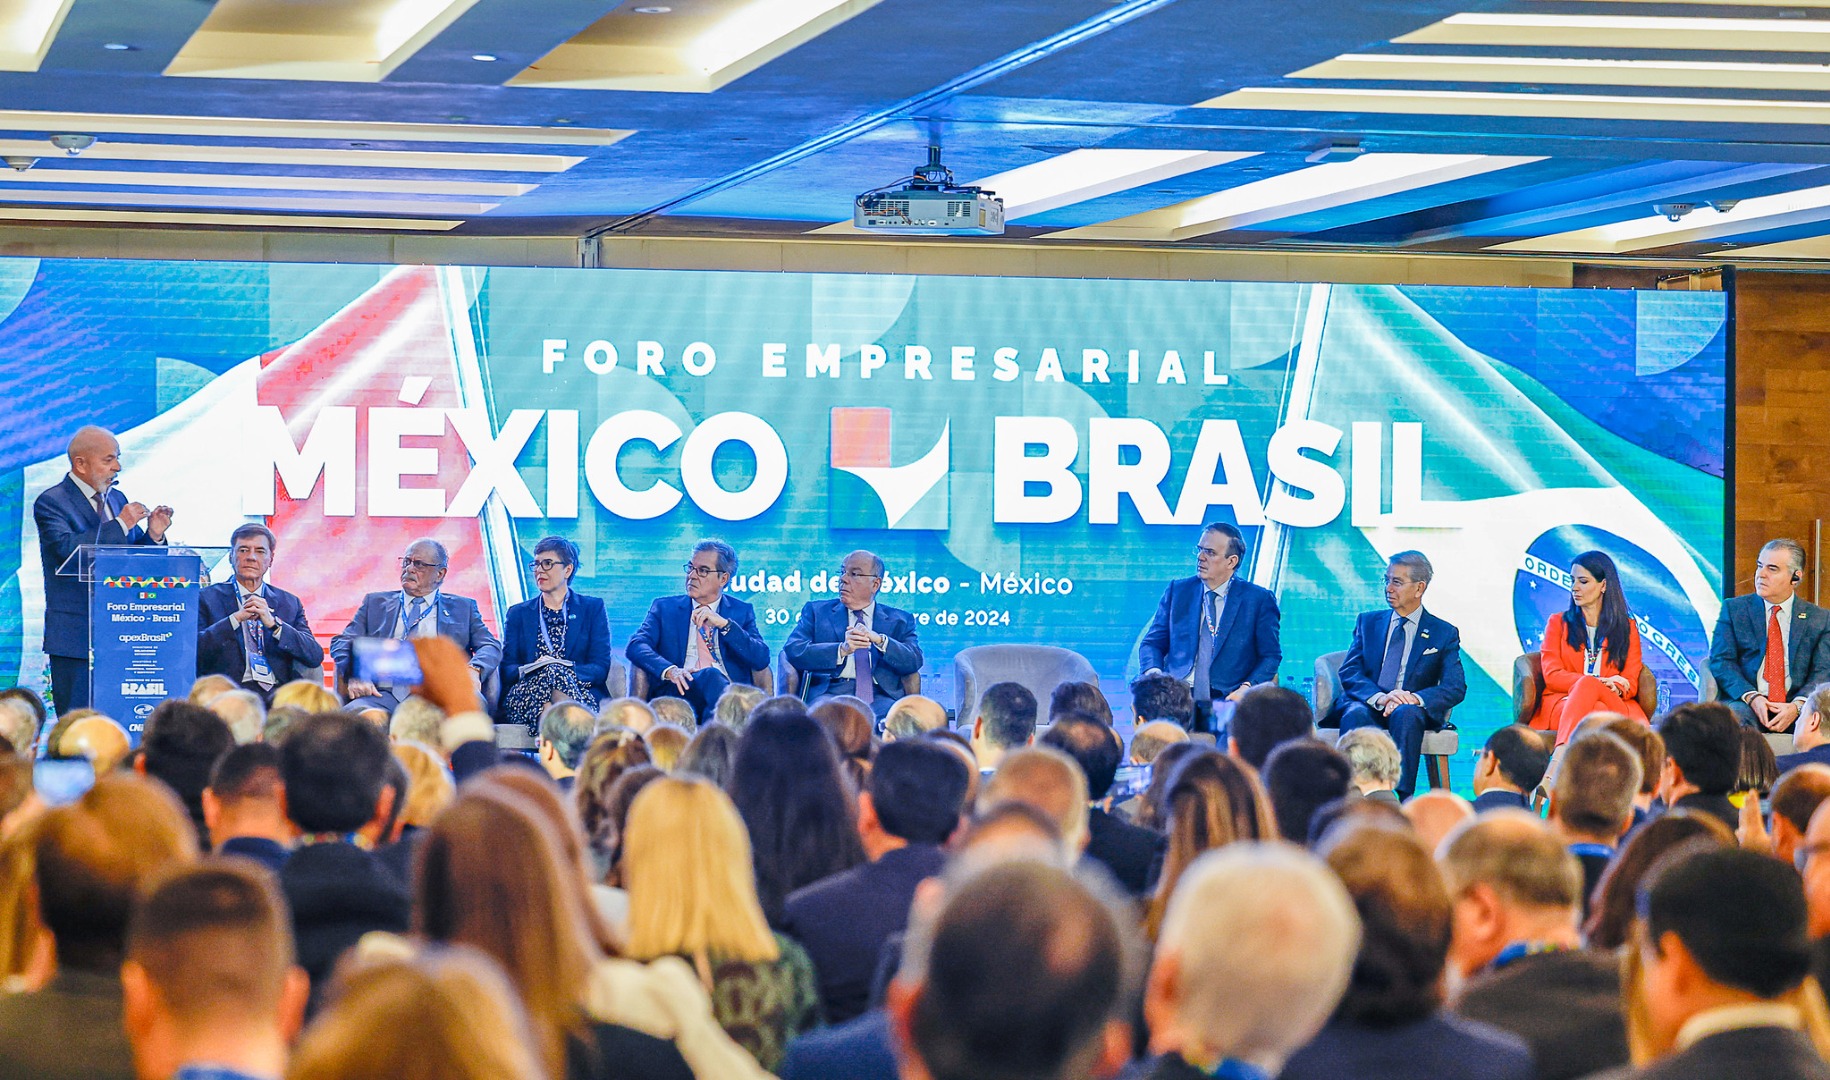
(62, 781)
(386, 662)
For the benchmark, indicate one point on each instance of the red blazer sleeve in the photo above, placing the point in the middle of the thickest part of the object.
(1562, 665)
(1631, 670)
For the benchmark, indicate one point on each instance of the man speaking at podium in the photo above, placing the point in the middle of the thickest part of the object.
(84, 509)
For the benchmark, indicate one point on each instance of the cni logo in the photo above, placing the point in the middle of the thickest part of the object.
(911, 496)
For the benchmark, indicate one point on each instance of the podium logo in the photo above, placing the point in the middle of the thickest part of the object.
(910, 496)
(143, 689)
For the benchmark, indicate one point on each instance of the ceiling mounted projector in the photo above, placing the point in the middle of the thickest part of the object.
(929, 203)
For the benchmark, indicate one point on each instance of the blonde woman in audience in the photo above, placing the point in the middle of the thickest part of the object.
(443, 1015)
(416, 720)
(692, 894)
(313, 697)
(1209, 801)
(610, 753)
(666, 742)
(429, 785)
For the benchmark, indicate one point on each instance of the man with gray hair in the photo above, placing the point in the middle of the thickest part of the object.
(1591, 804)
(419, 609)
(1403, 671)
(1771, 647)
(703, 640)
(912, 717)
(627, 712)
(249, 630)
(854, 645)
(1374, 759)
(1253, 955)
(416, 720)
(735, 705)
(1514, 949)
(243, 711)
(19, 726)
(676, 711)
(565, 733)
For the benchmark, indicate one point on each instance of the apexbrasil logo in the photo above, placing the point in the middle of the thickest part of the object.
(912, 496)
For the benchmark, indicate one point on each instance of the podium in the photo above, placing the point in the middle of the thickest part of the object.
(143, 602)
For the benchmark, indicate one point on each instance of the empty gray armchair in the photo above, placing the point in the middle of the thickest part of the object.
(1039, 668)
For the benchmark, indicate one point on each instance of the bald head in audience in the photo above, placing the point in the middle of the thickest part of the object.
(1048, 780)
(101, 740)
(913, 715)
(626, 712)
(1435, 814)
(1795, 801)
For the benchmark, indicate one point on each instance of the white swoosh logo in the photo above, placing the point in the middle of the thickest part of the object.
(902, 486)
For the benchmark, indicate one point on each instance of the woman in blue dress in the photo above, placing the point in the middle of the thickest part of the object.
(555, 646)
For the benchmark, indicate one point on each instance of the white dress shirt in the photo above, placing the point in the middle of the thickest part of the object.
(89, 493)
(1737, 1018)
(428, 626)
(1410, 640)
(692, 641)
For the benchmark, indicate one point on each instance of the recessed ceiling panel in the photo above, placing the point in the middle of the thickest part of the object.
(1584, 71)
(321, 40)
(252, 221)
(264, 127)
(27, 28)
(1357, 100)
(1624, 32)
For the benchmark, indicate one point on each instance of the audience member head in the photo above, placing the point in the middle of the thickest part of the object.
(612, 752)
(1356, 811)
(30, 699)
(181, 743)
(674, 710)
(1253, 955)
(542, 795)
(788, 786)
(1808, 731)
(19, 726)
(1514, 759)
(1162, 697)
(1023, 972)
(1014, 830)
(1264, 718)
(710, 754)
(1759, 768)
(1596, 785)
(1048, 780)
(1150, 803)
(19, 800)
(1373, 757)
(1079, 697)
(1092, 744)
(27, 959)
(334, 766)
(565, 733)
(1702, 750)
(734, 706)
(415, 1018)
(429, 785)
(308, 694)
(959, 745)
(416, 720)
(1436, 814)
(1302, 776)
(913, 716)
(243, 797)
(666, 742)
(626, 712)
(1646, 742)
(1795, 799)
(94, 856)
(1612, 912)
(1211, 801)
(1404, 917)
(913, 796)
(1151, 738)
(209, 976)
(206, 688)
(852, 726)
(280, 720)
(101, 740)
(686, 863)
(607, 844)
(1006, 721)
(1510, 880)
(1814, 855)
(243, 711)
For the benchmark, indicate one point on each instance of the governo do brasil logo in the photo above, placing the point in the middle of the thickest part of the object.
(868, 490)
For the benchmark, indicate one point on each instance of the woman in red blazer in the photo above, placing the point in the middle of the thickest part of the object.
(1591, 651)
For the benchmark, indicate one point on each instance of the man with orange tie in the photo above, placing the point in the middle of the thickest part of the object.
(1771, 648)
(698, 643)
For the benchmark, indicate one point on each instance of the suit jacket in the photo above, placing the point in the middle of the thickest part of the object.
(1718, 805)
(1563, 665)
(666, 633)
(1432, 668)
(291, 651)
(859, 1050)
(813, 647)
(338, 892)
(1739, 647)
(1817, 755)
(269, 853)
(1500, 800)
(1127, 850)
(458, 619)
(844, 920)
(1442, 1046)
(587, 640)
(1565, 1005)
(1248, 649)
(70, 1030)
(1768, 1053)
(66, 520)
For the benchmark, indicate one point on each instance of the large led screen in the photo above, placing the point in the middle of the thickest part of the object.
(1031, 457)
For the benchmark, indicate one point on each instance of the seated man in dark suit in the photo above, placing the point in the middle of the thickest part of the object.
(1724, 953)
(418, 610)
(1591, 806)
(910, 805)
(1810, 742)
(1216, 630)
(698, 643)
(250, 631)
(854, 645)
(1517, 891)
(1403, 671)
(1702, 759)
(1510, 768)
(1764, 685)
(1130, 852)
(244, 808)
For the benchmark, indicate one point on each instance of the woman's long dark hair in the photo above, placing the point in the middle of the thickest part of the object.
(1615, 626)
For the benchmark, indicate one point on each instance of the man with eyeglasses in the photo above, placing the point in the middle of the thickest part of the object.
(418, 610)
(251, 631)
(1403, 671)
(698, 643)
(854, 645)
(1215, 631)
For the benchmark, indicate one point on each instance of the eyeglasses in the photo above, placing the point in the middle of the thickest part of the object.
(1212, 553)
(694, 571)
(416, 564)
(857, 575)
(1398, 581)
(544, 564)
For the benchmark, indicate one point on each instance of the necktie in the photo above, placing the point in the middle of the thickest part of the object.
(1774, 667)
(416, 613)
(257, 653)
(1394, 655)
(101, 506)
(866, 689)
(1204, 652)
(702, 648)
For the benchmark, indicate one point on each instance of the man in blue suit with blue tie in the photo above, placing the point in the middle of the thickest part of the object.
(702, 641)
(854, 645)
(1403, 672)
(84, 509)
(1216, 631)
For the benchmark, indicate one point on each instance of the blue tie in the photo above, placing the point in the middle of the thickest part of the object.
(1204, 651)
(1394, 656)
